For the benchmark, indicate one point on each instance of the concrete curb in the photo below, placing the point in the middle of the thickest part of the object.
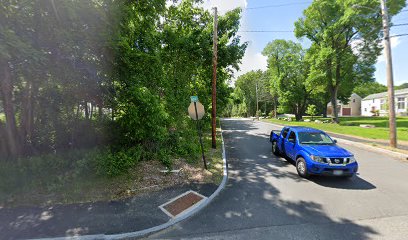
(171, 222)
(398, 155)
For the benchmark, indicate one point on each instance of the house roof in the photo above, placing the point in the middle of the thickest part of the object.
(353, 95)
(384, 94)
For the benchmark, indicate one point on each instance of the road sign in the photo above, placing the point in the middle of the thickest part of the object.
(192, 111)
(196, 112)
(194, 99)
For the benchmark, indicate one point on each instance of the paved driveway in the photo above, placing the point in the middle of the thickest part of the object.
(265, 199)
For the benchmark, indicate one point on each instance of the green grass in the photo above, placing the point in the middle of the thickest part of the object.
(214, 157)
(350, 126)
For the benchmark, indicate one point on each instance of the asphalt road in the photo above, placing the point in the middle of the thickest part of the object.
(266, 199)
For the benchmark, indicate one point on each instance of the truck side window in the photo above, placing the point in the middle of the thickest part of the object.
(292, 136)
(285, 132)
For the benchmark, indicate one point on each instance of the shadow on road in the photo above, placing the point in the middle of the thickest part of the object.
(355, 183)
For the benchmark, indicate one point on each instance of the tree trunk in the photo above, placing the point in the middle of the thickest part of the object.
(27, 114)
(275, 106)
(325, 111)
(86, 110)
(100, 111)
(335, 90)
(6, 89)
(78, 110)
(92, 110)
(333, 100)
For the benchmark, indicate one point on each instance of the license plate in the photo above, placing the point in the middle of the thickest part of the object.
(337, 172)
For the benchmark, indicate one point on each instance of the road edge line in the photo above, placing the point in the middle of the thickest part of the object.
(168, 224)
(400, 156)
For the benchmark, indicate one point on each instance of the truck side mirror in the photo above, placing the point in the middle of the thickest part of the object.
(334, 140)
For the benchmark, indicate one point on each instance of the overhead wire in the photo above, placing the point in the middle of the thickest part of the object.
(278, 5)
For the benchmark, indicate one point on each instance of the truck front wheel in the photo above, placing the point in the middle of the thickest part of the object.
(301, 168)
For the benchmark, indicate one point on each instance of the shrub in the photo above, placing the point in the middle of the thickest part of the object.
(272, 114)
(117, 163)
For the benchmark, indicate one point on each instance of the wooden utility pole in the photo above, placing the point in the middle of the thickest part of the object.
(390, 78)
(214, 81)
(257, 100)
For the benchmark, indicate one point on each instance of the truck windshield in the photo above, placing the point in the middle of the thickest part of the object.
(314, 138)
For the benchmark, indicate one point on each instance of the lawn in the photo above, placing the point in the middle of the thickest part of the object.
(351, 126)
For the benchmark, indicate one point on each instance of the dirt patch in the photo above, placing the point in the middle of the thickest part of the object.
(153, 176)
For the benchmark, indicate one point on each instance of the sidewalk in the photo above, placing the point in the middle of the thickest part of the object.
(114, 217)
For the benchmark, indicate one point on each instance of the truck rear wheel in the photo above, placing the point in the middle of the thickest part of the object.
(275, 149)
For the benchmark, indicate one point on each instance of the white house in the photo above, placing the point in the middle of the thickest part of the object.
(352, 108)
(376, 104)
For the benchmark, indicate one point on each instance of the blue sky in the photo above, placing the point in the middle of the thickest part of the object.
(282, 18)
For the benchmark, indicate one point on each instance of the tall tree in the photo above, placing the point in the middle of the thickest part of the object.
(288, 72)
(346, 37)
(246, 89)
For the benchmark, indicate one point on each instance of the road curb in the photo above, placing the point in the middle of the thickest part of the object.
(398, 155)
(171, 222)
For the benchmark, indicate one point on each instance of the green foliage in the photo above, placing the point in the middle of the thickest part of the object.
(110, 74)
(402, 86)
(271, 114)
(142, 117)
(116, 163)
(311, 110)
(346, 36)
(288, 71)
(258, 113)
(249, 88)
(367, 88)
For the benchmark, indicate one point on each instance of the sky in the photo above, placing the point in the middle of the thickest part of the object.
(281, 16)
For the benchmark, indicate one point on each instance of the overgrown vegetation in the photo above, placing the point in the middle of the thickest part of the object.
(80, 175)
(82, 74)
(99, 86)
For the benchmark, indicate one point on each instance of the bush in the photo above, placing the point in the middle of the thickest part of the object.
(117, 163)
(272, 114)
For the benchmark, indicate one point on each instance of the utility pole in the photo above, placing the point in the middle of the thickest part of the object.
(257, 100)
(390, 79)
(214, 81)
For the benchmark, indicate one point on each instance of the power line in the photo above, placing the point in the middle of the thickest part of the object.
(266, 31)
(399, 35)
(289, 31)
(400, 24)
(278, 5)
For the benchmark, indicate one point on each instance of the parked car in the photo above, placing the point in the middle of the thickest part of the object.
(313, 151)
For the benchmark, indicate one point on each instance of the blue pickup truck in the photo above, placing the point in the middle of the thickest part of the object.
(313, 151)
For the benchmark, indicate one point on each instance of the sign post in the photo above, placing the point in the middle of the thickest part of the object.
(196, 112)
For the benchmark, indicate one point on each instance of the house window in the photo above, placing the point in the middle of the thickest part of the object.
(354, 100)
(373, 100)
(401, 103)
(365, 109)
(383, 104)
